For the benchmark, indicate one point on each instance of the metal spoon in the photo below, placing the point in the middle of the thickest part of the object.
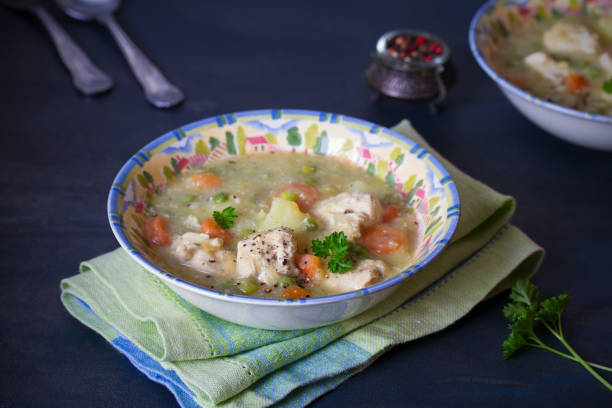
(158, 90)
(86, 77)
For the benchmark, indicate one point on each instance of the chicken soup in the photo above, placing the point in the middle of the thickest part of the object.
(282, 225)
(565, 60)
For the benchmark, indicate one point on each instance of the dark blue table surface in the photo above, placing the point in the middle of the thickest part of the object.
(60, 152)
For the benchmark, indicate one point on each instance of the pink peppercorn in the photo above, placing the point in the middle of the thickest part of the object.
(413, 48)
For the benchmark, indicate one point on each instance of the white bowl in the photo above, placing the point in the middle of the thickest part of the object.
(492, 21)
(399, 161)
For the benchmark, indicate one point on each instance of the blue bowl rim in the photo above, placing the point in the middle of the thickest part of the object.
(513, 88)
(117, 227)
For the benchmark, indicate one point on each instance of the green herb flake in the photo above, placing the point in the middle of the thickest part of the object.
(286, 281)
(225, 218)
(607, 86)
(220, 198)
(591, 72)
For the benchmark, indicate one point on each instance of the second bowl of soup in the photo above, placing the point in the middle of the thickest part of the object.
(553, 60)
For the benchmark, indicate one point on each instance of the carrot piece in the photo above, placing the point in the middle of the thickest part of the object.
(206, 181)
(307, 195)
(159, 234)
(576, 83)
(214, 230)
(308, 265)
(517, 80)
(294, 292)
(390, 212)
(383, 239)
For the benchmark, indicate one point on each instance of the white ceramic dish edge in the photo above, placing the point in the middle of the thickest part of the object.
(270, 313)
(581, 128)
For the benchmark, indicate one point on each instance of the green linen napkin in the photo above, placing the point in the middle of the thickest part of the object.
(226, 364)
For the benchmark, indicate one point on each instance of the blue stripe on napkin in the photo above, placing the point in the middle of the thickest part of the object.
(329, 363)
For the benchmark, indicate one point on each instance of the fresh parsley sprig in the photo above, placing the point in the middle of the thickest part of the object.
(526, 308)
(336, 247)
(225, 218)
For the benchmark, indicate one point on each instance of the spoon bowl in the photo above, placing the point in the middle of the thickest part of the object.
(87, 10)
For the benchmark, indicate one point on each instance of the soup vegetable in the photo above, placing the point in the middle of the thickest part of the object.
(566, 60)
(283, 225)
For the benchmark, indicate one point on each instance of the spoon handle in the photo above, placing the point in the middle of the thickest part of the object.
(158, 90)
(86, 77)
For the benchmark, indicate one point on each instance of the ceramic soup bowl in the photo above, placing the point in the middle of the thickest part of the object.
(400, 162)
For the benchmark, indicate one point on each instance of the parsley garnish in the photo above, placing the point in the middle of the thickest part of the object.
(225, 218)
(336, 248)
(607, 86)
(526, 308)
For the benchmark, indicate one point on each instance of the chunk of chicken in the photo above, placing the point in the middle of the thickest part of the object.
(366, 273)
(203, 253)
(555, 71)
(266, 256)
(565, 37)
(348, 212)
(606, 62)
(413, 228)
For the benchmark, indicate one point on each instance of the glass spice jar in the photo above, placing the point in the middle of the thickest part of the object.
(411, 65)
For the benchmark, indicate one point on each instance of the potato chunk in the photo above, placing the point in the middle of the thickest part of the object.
(266, 256)
(366, 273)
(411, 225)
(348, 212)
(203, 253)
(283, 213)
(569, 38)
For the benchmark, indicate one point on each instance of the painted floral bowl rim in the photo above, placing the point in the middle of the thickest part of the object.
(126, 172)
(480, 59)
